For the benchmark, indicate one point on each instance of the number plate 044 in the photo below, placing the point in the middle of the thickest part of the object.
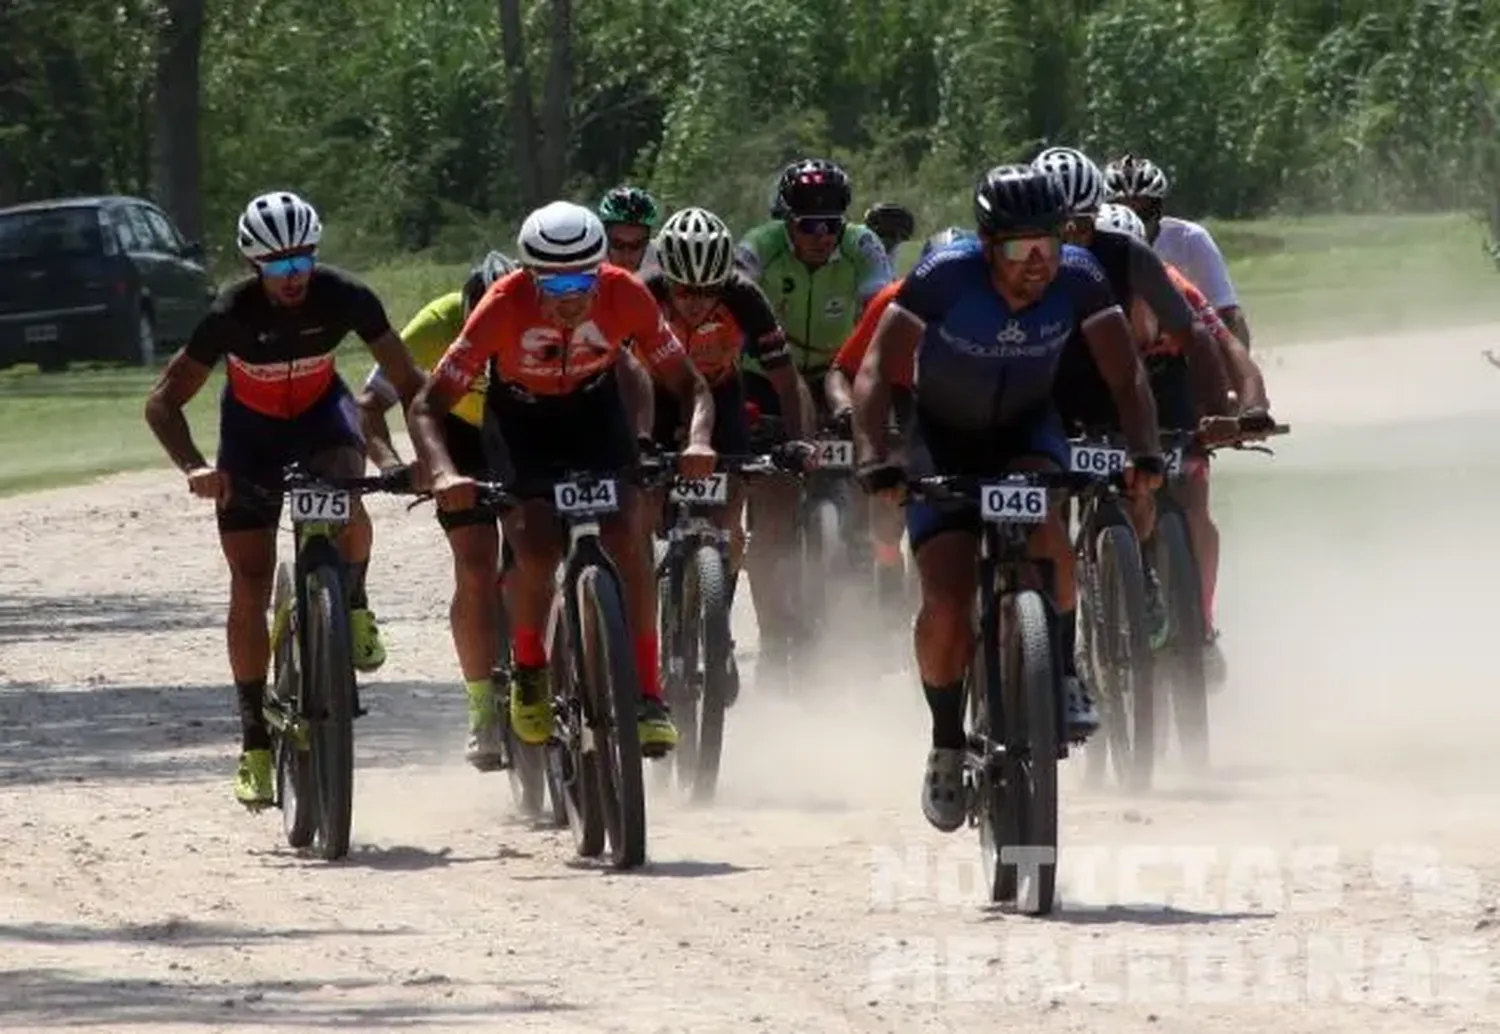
(586, 497)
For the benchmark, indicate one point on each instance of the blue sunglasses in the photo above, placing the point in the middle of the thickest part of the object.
(556, 285)
(292, 265)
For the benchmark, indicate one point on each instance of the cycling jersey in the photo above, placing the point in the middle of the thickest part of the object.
(280, 359)
(852, 354)
(1192, 249)
(742, 323)
(427, 337)
(533, 358)
(817, 307)
(979, 365)
(1165, 345)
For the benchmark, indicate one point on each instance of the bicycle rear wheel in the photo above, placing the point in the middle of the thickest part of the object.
(1028, 844)
(1177, 568)
(296, 788)
(716, 654)
(611, 681)
(329, 689)
(1124, 659)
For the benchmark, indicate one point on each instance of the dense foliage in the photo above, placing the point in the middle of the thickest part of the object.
(406, 123)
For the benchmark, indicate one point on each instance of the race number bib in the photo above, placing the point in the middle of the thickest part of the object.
(576, 497)
(833, 454)
(319, 506)
(1013, 504)
(712, 490)
(1173, 460)
(1098, 460)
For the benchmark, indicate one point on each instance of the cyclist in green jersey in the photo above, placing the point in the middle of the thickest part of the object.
(819, 271)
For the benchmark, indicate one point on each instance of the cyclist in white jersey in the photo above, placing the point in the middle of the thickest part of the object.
(1140, 185)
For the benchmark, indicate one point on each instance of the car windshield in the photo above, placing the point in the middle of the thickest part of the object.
(48, 232)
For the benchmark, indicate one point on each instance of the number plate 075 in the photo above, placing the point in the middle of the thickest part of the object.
(1013, 504)
(713, 490)
(835, 455)
(320, 506)
(581, 497)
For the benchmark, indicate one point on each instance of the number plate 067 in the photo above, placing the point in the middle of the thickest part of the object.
(319, 506)
(712, 490)
(579, 497)
(1013, 504)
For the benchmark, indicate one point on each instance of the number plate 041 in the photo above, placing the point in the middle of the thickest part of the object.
(1013, 504)
(586, 497)
(320, 506)
(835, 455)
(712, 490)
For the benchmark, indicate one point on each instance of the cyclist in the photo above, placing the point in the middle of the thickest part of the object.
(630, 216)
(1142, 186)
(987, 321)
(886, 524)
(819, 271)
(1179, 411)
(718, 315)
(283, 401)
(552, 334)
(893, 223)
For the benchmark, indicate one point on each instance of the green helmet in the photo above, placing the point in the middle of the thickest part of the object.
(629, 205)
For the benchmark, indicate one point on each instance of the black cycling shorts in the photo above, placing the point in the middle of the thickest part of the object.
(255, 447)
(731, 435)
(467, 449)
(760, 394)
(541, 439)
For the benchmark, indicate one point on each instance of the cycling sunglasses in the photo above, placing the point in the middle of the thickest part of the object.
(291, 265)
(1021, 249)
(817, 225)
(558, 285)
(695, 290)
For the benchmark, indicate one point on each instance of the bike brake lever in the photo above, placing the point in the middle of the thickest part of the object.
(423, 497)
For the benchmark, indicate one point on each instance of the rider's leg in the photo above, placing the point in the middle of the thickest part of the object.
(1191, 494)
(536, 547)
(474, 541)
(248, 541)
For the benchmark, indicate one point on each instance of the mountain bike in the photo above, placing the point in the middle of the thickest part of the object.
(1180, 661)
(1013, 691)
(313, 699)
(1114, 636)
(594, 755)
(695, 592)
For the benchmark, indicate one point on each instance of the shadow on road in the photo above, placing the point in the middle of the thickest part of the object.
(177, 930)
(73, 618)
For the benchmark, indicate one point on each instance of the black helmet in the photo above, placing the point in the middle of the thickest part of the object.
(943, 238)
(1016, 198)
(814, 186)
(491, 268)
(890, 221)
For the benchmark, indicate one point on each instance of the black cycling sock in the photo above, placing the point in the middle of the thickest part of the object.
(1067, 633)
(947, 706)
(357, 598)
(253, 732)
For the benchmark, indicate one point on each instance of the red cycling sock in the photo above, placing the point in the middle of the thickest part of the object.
(530, 651)
(648, 665)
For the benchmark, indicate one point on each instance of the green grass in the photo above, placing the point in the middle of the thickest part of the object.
(1298, 279)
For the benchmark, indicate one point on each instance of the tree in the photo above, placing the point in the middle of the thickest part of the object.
(176, 159)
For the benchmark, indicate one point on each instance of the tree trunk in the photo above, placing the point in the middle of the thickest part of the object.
(175, 159)
(525, 135)
(557, 107)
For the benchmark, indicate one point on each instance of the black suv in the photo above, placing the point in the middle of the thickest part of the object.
(96, 278)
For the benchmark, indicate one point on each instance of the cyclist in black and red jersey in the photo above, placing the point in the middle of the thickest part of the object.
(283, 401)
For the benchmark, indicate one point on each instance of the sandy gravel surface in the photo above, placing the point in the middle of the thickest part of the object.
(1337, 872)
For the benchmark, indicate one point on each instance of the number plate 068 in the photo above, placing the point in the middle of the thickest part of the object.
(1013, 504)
(1099, 460)
(319, 506)
(579, 497)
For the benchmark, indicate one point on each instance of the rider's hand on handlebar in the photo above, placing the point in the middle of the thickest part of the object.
(795, 456)
(1256, 422)
(842, 423)
(1142, 479)
(454, 492)
(1215, 430)
(884, 479)
(208, 483)
(696, 462)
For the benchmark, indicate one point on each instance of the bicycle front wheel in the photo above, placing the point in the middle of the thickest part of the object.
(1124, 659)
(610, 679)
(296, 787)
(716, 657)
(329, 690)
(1177, 568)
(1028, 840)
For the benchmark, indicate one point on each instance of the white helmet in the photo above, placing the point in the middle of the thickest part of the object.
(696, 248)
(1134, 177)
(561, 235)
(276, 223)
(1121, 220)
(1082, 182)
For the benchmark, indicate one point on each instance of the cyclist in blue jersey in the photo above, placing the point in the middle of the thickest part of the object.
(986, 321)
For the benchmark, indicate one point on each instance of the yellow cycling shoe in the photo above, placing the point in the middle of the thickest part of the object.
(369, 651)
(531, 705)
(656, 729)
(252, 781)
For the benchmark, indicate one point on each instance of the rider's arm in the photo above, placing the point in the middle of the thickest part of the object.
(452, 375)
(374, 400)
(1211, 273)
(182, 379)
(766, 341)
(873, 265)
(851, 354)
(663, 355)
(1152, 282)
(368, 319)
(1107, 333)
(891, 349)
(637, 394)
(1249, 382)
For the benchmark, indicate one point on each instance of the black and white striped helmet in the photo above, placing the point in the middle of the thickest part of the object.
(697, 249)
(1132, 177)
(276, 223)
(561, 235)
(1117, 217)
(1081, 181)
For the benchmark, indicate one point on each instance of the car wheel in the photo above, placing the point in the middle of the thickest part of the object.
(145, 340)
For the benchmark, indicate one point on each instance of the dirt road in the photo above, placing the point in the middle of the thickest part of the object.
(1339, 871)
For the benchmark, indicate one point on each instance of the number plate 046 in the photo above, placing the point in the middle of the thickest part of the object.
(1013, 504)
(320, 505)
(713, 490)
(591, 497)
